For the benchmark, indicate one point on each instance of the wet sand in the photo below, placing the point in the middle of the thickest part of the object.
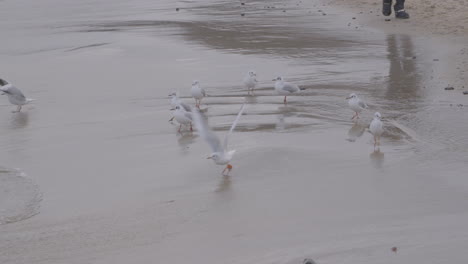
(109, 180)
(427, 16)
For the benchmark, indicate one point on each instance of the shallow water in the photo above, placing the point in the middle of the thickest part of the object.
(120, 185)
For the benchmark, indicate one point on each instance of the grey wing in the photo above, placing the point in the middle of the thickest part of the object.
(15, 92)
(203, 91)
(206, 133)
(362, 104)
(234, 124)
(188, 115)
(185, 106)
(292, 88)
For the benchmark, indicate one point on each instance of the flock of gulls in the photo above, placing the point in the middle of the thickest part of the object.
(221, 155)
(186, 116)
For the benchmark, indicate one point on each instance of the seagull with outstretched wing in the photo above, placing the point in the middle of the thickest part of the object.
(220, 153)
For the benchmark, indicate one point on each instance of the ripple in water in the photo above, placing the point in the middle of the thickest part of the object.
(20, 197)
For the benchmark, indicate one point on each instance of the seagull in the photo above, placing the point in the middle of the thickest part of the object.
(182, 117)
(376, 128)
(197, 93)
(15, 96)
(175, 101)
(250, 81)
(356, 105)
(221, 155)
(285, 88)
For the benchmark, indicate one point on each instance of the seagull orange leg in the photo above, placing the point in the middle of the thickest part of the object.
(228, 168)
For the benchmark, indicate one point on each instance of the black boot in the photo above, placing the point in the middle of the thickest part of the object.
(401, 14)
(387, 7)
(399, 8)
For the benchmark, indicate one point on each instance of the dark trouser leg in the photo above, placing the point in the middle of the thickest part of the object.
(399, 5)
(387, 7)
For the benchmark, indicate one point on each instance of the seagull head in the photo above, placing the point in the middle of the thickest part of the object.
(215, 157)
(353, 95)
(174, 94)
(195, 83)
(278, 79)
(252, 74)
(378, 115)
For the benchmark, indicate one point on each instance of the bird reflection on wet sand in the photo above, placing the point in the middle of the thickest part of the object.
(224, 184)
(356, 131)
(185, 138)
(19, 120)
(377, 158)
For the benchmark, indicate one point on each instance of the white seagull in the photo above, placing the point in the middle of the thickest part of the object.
(221, 155)
(175, 101)
(285, 88)
(182, 117)
(250, 81)
(198, 93)
(356, 105)
(15, 96)
(376, 128)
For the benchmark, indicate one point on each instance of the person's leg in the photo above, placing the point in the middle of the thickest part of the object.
(387, 7)
(399, 8)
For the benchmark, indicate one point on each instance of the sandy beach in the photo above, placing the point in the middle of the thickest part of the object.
(428, 16)
(93, 171)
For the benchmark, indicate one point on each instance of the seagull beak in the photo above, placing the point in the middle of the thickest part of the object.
(274, 80)
(347, 98)
(209, 158)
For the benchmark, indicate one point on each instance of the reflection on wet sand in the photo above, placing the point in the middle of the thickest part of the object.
(224, 184)
(404, 80)
(19, 120)
(377, 158)
(356, 131)
(251, 99)
(185, 138)
(287, 110)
